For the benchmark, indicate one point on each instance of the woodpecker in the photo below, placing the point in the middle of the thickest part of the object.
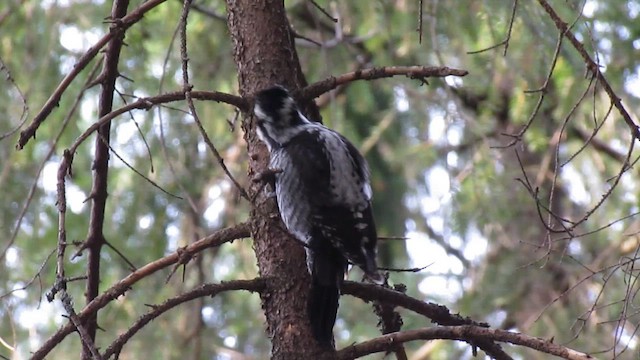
(324, 197)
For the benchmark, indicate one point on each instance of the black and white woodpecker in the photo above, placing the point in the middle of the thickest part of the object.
(324, 197)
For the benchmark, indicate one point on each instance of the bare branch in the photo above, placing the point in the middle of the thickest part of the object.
(325, 12)
(95, 235)
(118, 289)
(599, 145)
(52, 148)
(186, 86)
(438, 314)
(54, 100)
(420, 14)
(414, 72)
(468, 333)
(506, 40)
(23, 99)
(592, 66)
(390, 321)
(543, 92)
(85, 336)
(147, 103)
(157, 310)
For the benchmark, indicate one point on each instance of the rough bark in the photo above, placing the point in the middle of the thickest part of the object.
(264, 53)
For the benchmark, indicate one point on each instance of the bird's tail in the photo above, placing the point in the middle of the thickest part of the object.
(322, 309)
(327, 267)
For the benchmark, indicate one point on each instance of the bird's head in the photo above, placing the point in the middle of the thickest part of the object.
(277, 116)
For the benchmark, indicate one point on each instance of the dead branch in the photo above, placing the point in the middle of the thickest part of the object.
(95, 236)
(186, 86)
(599, 145)
(54, 100)
(390, 321)
(438, 314)
(218, 238)
(85, 336)
(203, 290)
(147, 103)
(543, 92)
(505, 41)
(468, 333)
(592, 66)
(414, 72)
(23, 99)
(49, 154)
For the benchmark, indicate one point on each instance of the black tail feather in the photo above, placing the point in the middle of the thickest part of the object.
(322, 309)
(327, 267)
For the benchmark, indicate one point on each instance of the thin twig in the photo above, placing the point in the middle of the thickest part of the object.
(508, 38)
(163, 142)
(122, 256)
(596, 129)
(23, 99)
(543, 92)
(592, 66)
(145, 177)
(144, 139)
(413, 270)
(322, 10)
(419, 29)
(448, 248)
(597, 144)
(33, 279)
(187, 87)
(147, 103)
(47, 157)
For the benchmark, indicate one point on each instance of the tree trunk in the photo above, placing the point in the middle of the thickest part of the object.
(265, 55)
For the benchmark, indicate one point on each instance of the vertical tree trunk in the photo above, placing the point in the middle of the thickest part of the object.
(265, 55)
